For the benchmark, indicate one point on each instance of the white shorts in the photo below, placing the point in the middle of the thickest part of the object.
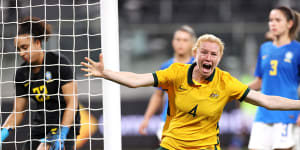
(272, 136)
(160, 130)
(297, 138)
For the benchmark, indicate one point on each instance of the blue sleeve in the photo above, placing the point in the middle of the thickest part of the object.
(258, 71)
(298, 57)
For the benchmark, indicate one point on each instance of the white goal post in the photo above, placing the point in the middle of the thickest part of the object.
(80, 28)
(111, 96)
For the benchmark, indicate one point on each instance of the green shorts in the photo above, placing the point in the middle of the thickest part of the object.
(161, 148)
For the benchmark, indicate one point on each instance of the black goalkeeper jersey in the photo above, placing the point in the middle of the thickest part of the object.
(45, 88)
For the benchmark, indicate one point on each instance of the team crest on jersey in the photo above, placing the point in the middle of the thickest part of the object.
(48, 76)
(288, 57)
(214, 94)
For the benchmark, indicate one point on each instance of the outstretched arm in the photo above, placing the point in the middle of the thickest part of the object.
(128, 79)
(272, 102)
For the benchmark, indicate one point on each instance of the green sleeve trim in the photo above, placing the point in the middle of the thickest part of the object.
(244, 95)
(155, 79)
(218, 136)
(161, 148)
(190, 74)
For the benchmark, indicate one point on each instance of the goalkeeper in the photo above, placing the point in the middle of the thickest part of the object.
(46, 78)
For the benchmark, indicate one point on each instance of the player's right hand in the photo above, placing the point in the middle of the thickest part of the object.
(143, 127)
(93, 68)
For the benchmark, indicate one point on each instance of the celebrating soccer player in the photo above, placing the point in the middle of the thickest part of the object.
(197, 95)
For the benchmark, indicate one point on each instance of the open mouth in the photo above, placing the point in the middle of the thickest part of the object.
(207, 66)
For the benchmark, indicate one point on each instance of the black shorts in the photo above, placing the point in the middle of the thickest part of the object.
(38, 133)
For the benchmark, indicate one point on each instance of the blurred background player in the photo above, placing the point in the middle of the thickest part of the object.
(247, 110)
(45, 78)
(182, 43)
(277, 73)
(269, 36)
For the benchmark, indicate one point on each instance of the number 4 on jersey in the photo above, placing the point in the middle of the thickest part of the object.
(193, 111)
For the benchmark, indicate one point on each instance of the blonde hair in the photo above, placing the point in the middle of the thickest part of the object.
(209, 38)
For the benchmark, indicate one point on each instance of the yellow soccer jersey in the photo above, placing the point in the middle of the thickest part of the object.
(195, 108)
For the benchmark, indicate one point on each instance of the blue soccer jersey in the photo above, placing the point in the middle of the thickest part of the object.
(278, 67)
(165, 65)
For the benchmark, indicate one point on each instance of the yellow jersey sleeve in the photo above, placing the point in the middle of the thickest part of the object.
(165, 78)
(238, 90)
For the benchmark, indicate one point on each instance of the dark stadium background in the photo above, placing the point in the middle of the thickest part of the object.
(145, 30)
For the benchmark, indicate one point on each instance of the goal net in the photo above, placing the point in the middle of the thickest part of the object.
(80, 28)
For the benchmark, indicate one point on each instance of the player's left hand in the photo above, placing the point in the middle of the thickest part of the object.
(143, 126)
(57, 138)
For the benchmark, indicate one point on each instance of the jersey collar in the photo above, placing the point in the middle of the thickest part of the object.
(190, 75)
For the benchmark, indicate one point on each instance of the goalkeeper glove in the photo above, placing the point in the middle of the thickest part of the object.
(56, 138)
(4, 134)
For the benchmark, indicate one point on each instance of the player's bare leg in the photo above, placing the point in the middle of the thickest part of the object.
(43, 146)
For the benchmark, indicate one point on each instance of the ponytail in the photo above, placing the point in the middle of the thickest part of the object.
(295, 28)
(291, 15)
